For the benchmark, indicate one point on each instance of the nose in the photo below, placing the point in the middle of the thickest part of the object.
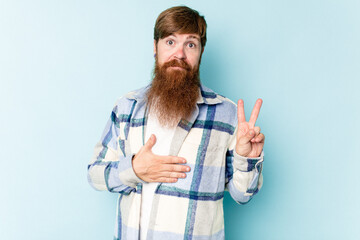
(180, 53)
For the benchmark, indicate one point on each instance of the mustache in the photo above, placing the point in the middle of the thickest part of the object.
(177, 63)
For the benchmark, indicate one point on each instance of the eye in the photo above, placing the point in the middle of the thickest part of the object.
(170, 42)
(192, 45)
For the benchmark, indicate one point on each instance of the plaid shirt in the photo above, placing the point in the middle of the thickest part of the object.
(191, 208)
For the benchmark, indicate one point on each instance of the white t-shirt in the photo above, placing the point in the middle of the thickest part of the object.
(164, 137)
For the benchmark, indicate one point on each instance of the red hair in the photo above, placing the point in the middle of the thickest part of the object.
(181, 19)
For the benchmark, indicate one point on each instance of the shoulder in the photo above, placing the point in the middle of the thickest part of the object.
(226, 109)
(213, 98)
(125, 103)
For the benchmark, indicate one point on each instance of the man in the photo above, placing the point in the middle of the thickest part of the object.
(172, 148)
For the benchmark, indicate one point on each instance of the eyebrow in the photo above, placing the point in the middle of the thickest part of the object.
(193, 36)
(189, 37)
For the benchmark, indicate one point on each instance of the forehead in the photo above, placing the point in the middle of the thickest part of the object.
(184, 36)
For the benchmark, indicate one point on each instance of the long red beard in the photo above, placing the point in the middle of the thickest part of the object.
(174, 92)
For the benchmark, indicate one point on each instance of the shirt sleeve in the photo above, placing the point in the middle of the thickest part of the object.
(110, 169)
(243, 175)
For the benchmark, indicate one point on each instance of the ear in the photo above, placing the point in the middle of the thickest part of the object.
(154, 47)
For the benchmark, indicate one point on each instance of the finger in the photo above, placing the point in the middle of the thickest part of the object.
(171, 159)
(257, 130)
(174, 175)
(150, 142)
(240, 111)
(255, 112)
(259, 138)
(167, 180)
(174, 168)
(247, 137)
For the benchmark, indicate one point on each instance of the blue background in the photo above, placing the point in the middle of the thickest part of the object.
(64, 63)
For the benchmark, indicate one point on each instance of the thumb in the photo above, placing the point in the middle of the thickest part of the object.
(151, 142)
(247, 137)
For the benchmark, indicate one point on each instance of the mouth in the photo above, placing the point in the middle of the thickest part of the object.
(177, 68)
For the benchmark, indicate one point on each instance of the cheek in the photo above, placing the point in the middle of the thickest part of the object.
(195, 60)
(164, 56)
(161, 58)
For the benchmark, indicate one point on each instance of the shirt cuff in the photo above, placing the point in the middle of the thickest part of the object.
(246, 164)
(127, 174)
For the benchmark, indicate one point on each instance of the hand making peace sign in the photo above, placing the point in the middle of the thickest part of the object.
(249, 140)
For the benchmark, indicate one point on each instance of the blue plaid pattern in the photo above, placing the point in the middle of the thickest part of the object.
(191, 208)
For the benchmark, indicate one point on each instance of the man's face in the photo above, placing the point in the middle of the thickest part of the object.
(185, 47)
(175, 88)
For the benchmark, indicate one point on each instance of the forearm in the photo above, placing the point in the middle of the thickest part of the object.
(108, 174)
(244, 176)
(111, 167)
